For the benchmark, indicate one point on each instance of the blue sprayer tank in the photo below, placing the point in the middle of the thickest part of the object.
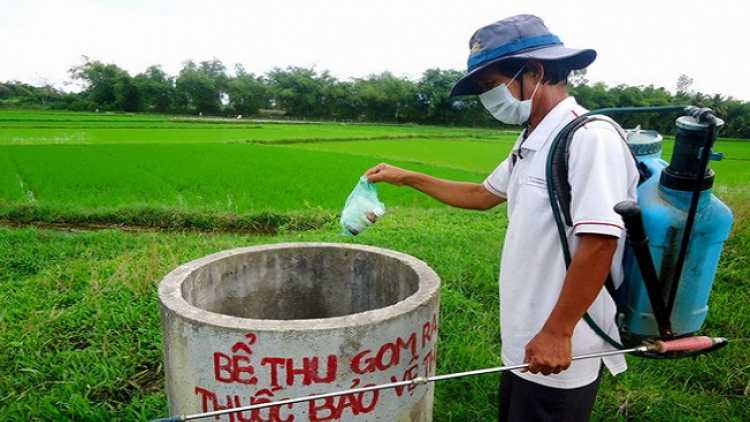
(664, 199)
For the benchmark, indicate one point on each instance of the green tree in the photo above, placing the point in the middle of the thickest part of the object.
(22, 94)
(343, 102)
(247, 93)
(216, 72)
(106, 85)
(594, 96)
(156, 88)
(18, 92)
(385, 97)
(302, 92)
(435, 103)
(196, 91)
(660, 122)
(736, 115)
(127, 96)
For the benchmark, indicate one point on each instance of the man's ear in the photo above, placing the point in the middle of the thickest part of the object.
(536, 69)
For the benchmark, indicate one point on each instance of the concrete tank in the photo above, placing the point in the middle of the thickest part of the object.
(273, 322)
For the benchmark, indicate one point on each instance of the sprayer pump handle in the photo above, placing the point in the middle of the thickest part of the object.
(630, 212)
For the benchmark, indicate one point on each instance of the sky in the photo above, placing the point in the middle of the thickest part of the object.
(639, 42)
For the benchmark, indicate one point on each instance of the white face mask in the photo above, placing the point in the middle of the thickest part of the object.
(505, 107)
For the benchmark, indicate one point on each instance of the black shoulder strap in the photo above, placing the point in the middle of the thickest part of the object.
(559, 161)
(560, 155)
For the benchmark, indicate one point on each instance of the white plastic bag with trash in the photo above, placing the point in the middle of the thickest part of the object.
(362, 208)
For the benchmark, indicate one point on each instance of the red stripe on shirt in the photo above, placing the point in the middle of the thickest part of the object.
(495, 188)
(598, 224)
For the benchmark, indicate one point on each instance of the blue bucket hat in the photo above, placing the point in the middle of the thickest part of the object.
(523, 37)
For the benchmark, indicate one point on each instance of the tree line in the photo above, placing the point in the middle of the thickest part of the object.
(207, 89)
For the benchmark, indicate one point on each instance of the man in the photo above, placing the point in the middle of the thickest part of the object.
(519, 70)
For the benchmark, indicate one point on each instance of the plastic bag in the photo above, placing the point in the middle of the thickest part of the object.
(362, 208)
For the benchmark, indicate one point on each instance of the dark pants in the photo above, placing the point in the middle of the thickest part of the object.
(525, 401)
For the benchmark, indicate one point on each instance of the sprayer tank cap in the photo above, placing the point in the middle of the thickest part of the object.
(644, 142)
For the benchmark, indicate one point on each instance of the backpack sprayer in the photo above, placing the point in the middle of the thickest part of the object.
(675, 231)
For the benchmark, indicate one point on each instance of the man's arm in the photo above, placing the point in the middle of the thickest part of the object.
(457, 194)
(551, 350)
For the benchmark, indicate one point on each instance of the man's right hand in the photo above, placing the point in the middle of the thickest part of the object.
(386, 173)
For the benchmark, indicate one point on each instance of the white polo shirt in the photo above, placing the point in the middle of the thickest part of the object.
(532, 270)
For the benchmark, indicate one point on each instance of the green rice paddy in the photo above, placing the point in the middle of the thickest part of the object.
(81, 195)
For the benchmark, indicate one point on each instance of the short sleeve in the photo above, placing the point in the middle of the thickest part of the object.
(602, 173)
(497, 182)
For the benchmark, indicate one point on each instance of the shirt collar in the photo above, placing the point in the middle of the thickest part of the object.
(565, 111)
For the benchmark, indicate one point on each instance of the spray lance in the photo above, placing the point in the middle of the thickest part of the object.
(661, 347)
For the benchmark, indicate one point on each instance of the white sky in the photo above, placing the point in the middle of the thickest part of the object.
(640, 42)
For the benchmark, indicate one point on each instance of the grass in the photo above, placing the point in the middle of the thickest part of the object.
(79, 312)
(104, 312)
(91, 350)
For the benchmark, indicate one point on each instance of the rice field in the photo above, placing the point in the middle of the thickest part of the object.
(111, 162)
(81, 193)
(224, 167)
